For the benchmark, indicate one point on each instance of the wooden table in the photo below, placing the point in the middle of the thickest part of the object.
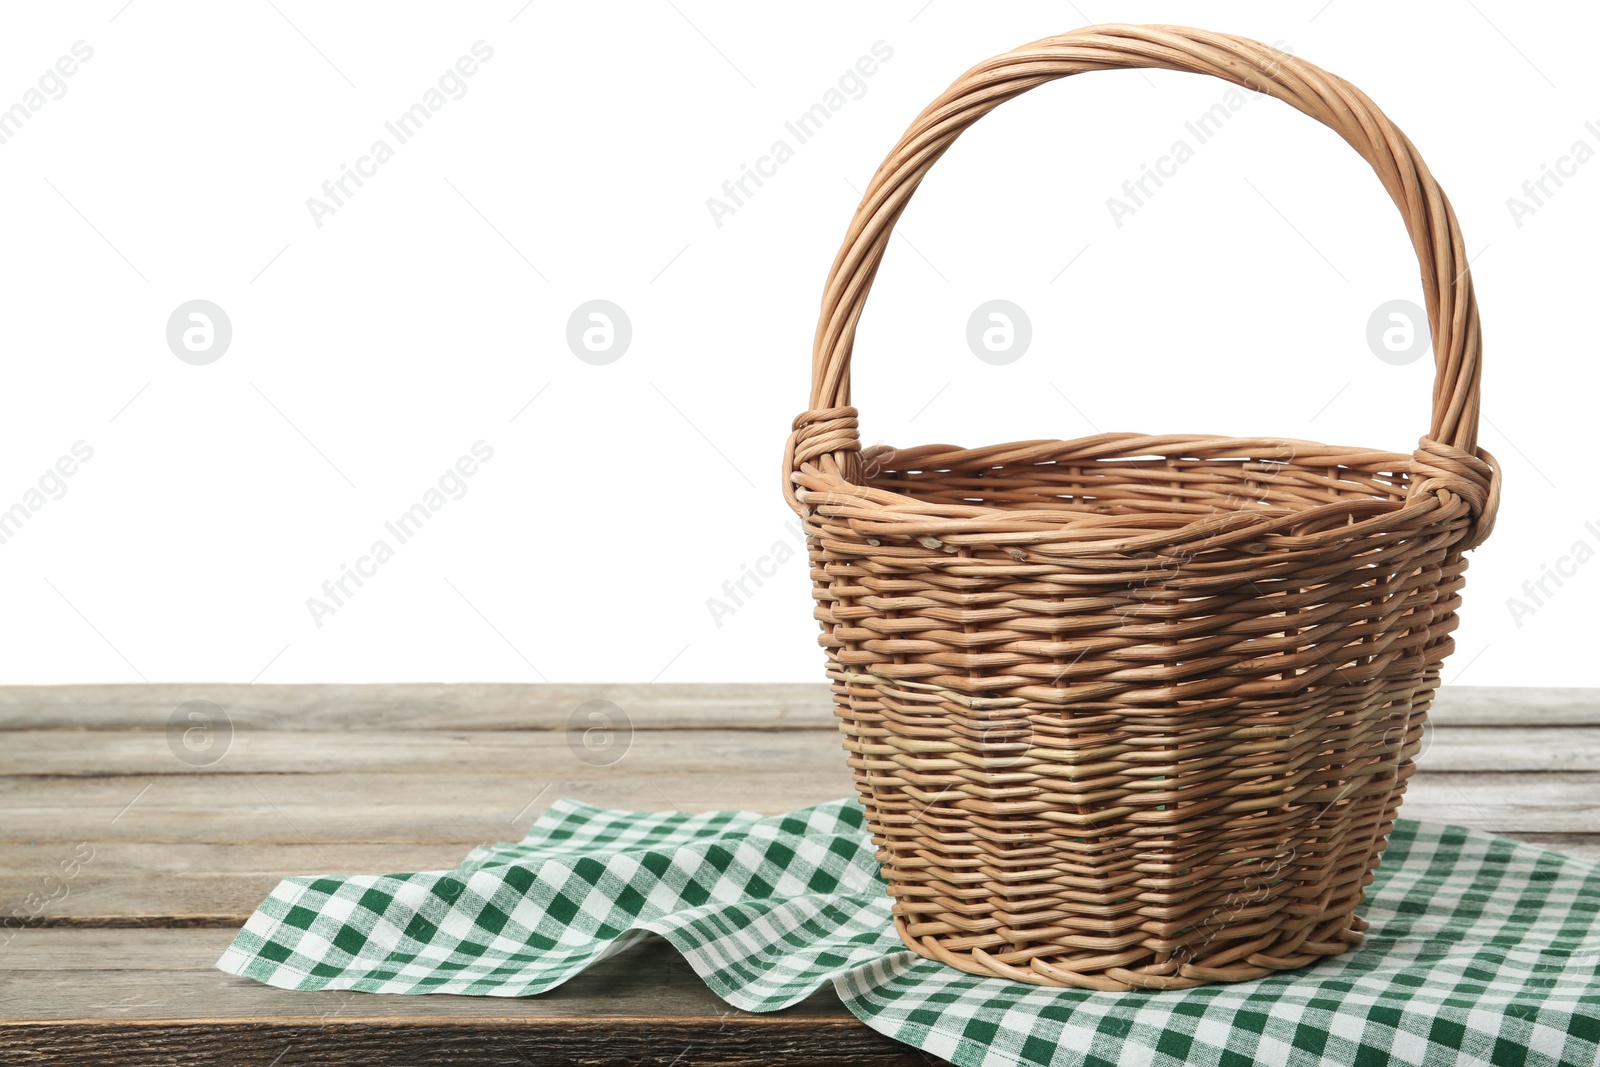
(108, 959)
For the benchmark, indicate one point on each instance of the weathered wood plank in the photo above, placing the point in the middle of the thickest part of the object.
(323, 779)
(1549, 802)
(1526, 705)
(129, 884)
(328, 809)
(134, 884)
(1466, 749)
(467, 706)
(659, 706)
(417, 752)
(578, 1041)
(62, 753)
(332, 808)
(154, 997)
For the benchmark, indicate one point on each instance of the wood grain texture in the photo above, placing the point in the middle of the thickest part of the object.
(660, 706)
(60, 753)
(328, 809)
(427, 706)
(648, 1041)
(116, 965)
(140, 884)
(136, 885)
(369, 806)
(130, 752)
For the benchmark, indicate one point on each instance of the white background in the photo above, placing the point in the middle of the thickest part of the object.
(424, 315)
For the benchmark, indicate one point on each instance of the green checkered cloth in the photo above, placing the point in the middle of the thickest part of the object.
(1481, 950)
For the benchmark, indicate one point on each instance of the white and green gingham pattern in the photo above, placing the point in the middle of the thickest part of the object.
(1481, 950)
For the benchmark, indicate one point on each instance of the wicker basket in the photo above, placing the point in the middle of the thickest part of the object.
(1133, 711)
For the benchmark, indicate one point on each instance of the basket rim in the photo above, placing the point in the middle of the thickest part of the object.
(826, 493)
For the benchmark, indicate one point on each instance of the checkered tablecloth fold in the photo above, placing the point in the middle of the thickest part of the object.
(1482, 950)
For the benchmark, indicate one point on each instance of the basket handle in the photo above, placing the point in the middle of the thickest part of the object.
(1448, 457)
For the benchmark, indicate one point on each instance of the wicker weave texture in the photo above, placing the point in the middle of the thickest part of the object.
(1136, 711)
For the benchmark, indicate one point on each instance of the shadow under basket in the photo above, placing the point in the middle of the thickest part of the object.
(1137, 711)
